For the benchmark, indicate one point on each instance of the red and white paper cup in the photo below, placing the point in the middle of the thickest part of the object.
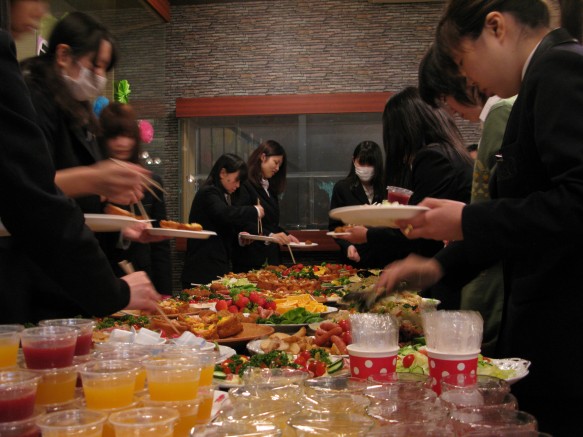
(442, 364)
(367, 362)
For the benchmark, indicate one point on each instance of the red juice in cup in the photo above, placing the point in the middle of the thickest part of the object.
(84, 343)
(48, 346)
(17, 408)
(399, 195)
(84, 328)
(17, 395)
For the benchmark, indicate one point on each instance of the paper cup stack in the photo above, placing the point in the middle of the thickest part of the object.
(375, 344)
(453, 343)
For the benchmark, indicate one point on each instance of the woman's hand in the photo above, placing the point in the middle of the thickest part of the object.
(119, 184)
(260, 211)
(143, 296)
(352, 254)
(138, 233)
(418, 272)
(443, 221)
(357, 235)
(283, 239)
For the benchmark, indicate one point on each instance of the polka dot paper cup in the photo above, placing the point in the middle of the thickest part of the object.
(442, 364)
(365, 363)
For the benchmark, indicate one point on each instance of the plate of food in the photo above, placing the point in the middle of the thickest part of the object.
(251, 331)
(376, 215)
(182, 233)
(109, 222)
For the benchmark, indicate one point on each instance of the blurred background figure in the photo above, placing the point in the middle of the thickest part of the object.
(119, 138)
(364, 185)
(214, 208)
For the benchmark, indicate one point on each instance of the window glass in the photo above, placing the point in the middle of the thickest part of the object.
(319, 150)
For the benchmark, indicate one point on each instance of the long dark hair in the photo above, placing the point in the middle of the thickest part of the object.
(270, 148)
(118, 119)
(369, 153)
(409, 125)
(84, 34)
(466, 18)
(232, 164)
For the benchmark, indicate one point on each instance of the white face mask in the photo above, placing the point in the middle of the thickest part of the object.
(365, 174)
(87, 86)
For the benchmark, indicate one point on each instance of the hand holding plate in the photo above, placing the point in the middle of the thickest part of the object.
(442, 222)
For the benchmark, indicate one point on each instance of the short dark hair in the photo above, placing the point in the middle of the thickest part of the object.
(269, 148)
(232, 164)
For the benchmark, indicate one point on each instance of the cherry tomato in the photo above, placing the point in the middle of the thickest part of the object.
(344, 324)
(318, 368)
(306, 355)
(301, 361)
(346, 337)
(408, 360)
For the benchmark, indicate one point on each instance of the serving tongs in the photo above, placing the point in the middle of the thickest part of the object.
(365, 300)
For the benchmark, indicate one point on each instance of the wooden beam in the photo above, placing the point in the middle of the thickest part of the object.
(281, 104)
(161, 7)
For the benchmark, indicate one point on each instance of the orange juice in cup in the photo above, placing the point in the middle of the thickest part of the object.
(144, 422)
(205, 407)
(136, 355)
(78, 423)
(186, 409)
(109, 384)
(173, 379)
(9, 341)
(56, 386)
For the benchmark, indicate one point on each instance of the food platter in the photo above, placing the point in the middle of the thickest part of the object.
(376, 215)
(166, 232)
(329, 310)
(519, 366)
(250, 331)
(108, 222)
(289, 328)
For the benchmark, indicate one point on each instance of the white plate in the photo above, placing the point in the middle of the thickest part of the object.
(376, 215)
(329, 310)
(108, 222)
(302, 245)
(165, 232)
(225, 352)
(258, 238)
(337, 234)
(519, 365)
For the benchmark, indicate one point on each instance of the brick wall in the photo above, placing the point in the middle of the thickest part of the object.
(265, 47)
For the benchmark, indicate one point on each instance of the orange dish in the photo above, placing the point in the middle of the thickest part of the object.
(169, 224)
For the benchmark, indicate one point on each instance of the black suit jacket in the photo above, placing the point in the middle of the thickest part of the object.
(48, 233)
(348, 193)
(256, 254)
(535, 225)
(207, 259)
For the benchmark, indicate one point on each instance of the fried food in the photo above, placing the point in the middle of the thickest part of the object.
(229, 326)
(342, 229)
(115, 210)
(169, 224)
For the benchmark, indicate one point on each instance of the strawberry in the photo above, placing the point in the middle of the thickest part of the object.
(221, 305)
(270, 305)
(233, 309)
(242, 301)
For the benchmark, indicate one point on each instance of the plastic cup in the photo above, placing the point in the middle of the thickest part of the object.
(188, 411)
(78, 423)
(173, 379)
(240, 428)
(390, 413)
(335, 403)
(56, 386)
(419, 379)
(21, 428)
(444, 364)
(335, 384)
(109, 384)
(84, 329)
(17, 394)
(411, 429)
(365, 363)
(48, 347)
(507, 432)
(399, 195)
(470, 419)
(144, 422)
(136, 355)
(9, 341)
(346, 425)
(277, 411)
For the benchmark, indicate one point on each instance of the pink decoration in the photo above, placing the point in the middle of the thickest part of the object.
(146, 131)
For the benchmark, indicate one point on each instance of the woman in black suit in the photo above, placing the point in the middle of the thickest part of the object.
(534, 221)
(424, 153)
(213, 208)
(267, 177)
(364, 185)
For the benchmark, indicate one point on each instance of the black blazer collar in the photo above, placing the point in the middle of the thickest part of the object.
(552, 39)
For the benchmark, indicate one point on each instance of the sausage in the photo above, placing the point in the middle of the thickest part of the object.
(328, 326)
(323, 336)
(339, 344)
